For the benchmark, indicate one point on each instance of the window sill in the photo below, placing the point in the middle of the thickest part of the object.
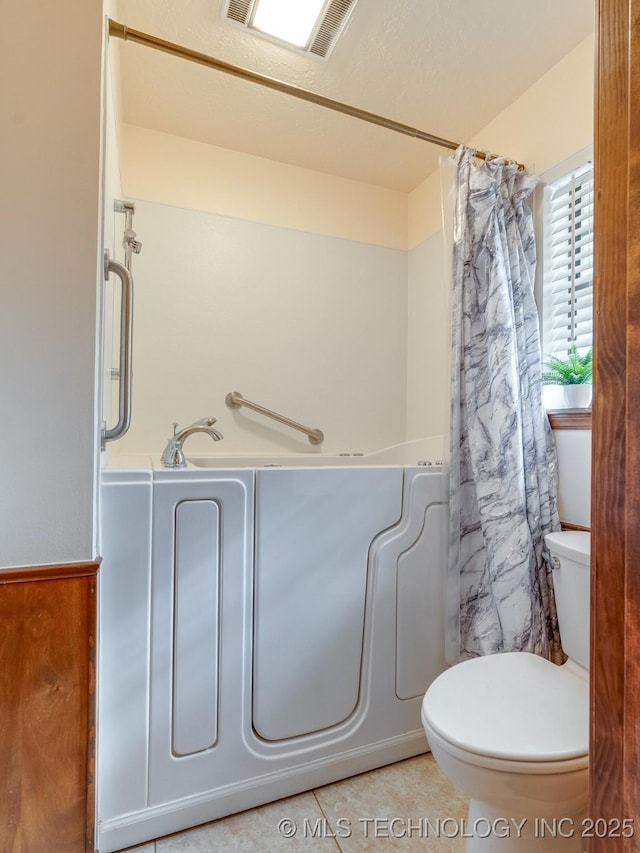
(570, 418)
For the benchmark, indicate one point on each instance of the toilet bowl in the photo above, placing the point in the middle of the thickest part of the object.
(512, 730)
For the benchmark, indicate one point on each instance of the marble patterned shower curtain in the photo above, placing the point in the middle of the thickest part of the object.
(503, 470)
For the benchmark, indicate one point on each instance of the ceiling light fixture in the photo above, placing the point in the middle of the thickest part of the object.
(288, 20)
(312, 26)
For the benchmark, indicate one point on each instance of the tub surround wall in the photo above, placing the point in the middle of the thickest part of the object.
(310, 326)
(428, 335)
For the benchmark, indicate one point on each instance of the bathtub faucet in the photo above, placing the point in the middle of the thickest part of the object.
(173, 455)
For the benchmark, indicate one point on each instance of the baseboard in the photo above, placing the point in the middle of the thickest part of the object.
(156, 821)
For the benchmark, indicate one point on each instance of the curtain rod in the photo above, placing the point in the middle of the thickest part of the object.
(127, 34)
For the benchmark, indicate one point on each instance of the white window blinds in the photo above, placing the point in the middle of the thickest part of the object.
(567, 298)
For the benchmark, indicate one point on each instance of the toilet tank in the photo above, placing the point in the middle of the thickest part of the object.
(570, 552)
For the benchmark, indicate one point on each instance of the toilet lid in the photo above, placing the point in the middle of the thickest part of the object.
(516, 706)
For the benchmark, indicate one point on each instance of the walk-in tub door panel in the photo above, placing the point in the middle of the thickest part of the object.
(202, 546)
(314, 529)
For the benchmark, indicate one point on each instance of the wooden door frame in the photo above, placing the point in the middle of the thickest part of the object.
(615, 590)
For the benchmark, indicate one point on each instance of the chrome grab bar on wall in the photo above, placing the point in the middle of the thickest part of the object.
(126, 345)
(235, 400)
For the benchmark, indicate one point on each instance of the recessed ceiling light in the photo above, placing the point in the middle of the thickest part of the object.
(288, 20)
(312, 26)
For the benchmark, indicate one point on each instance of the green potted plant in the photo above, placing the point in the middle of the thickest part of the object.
(574, 375)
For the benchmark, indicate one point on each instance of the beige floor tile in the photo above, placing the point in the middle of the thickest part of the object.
(150, 847)
(261, 830)
(407, 792)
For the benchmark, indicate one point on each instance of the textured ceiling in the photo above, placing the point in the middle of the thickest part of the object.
(445, 66)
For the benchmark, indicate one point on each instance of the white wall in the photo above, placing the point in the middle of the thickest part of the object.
(294, 285)
(311, 326)
(50, 70)
(574, 475)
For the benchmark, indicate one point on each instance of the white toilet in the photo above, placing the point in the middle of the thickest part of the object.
(512, 730)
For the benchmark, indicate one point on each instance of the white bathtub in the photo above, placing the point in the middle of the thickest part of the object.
(266, 626)
(422, 451)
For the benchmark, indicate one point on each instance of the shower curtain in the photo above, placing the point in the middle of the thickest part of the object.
(503, 468)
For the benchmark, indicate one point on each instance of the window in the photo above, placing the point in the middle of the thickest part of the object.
(564, 284)
(567, 268)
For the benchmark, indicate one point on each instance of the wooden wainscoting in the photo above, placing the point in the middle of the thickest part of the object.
(47, 708)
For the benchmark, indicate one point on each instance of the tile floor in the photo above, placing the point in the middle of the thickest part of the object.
(396, 805)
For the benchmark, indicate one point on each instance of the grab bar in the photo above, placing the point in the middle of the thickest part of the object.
(126, 343)
(235, 400)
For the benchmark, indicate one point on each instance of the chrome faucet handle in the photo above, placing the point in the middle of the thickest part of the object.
(210, 421)
(202, 422)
